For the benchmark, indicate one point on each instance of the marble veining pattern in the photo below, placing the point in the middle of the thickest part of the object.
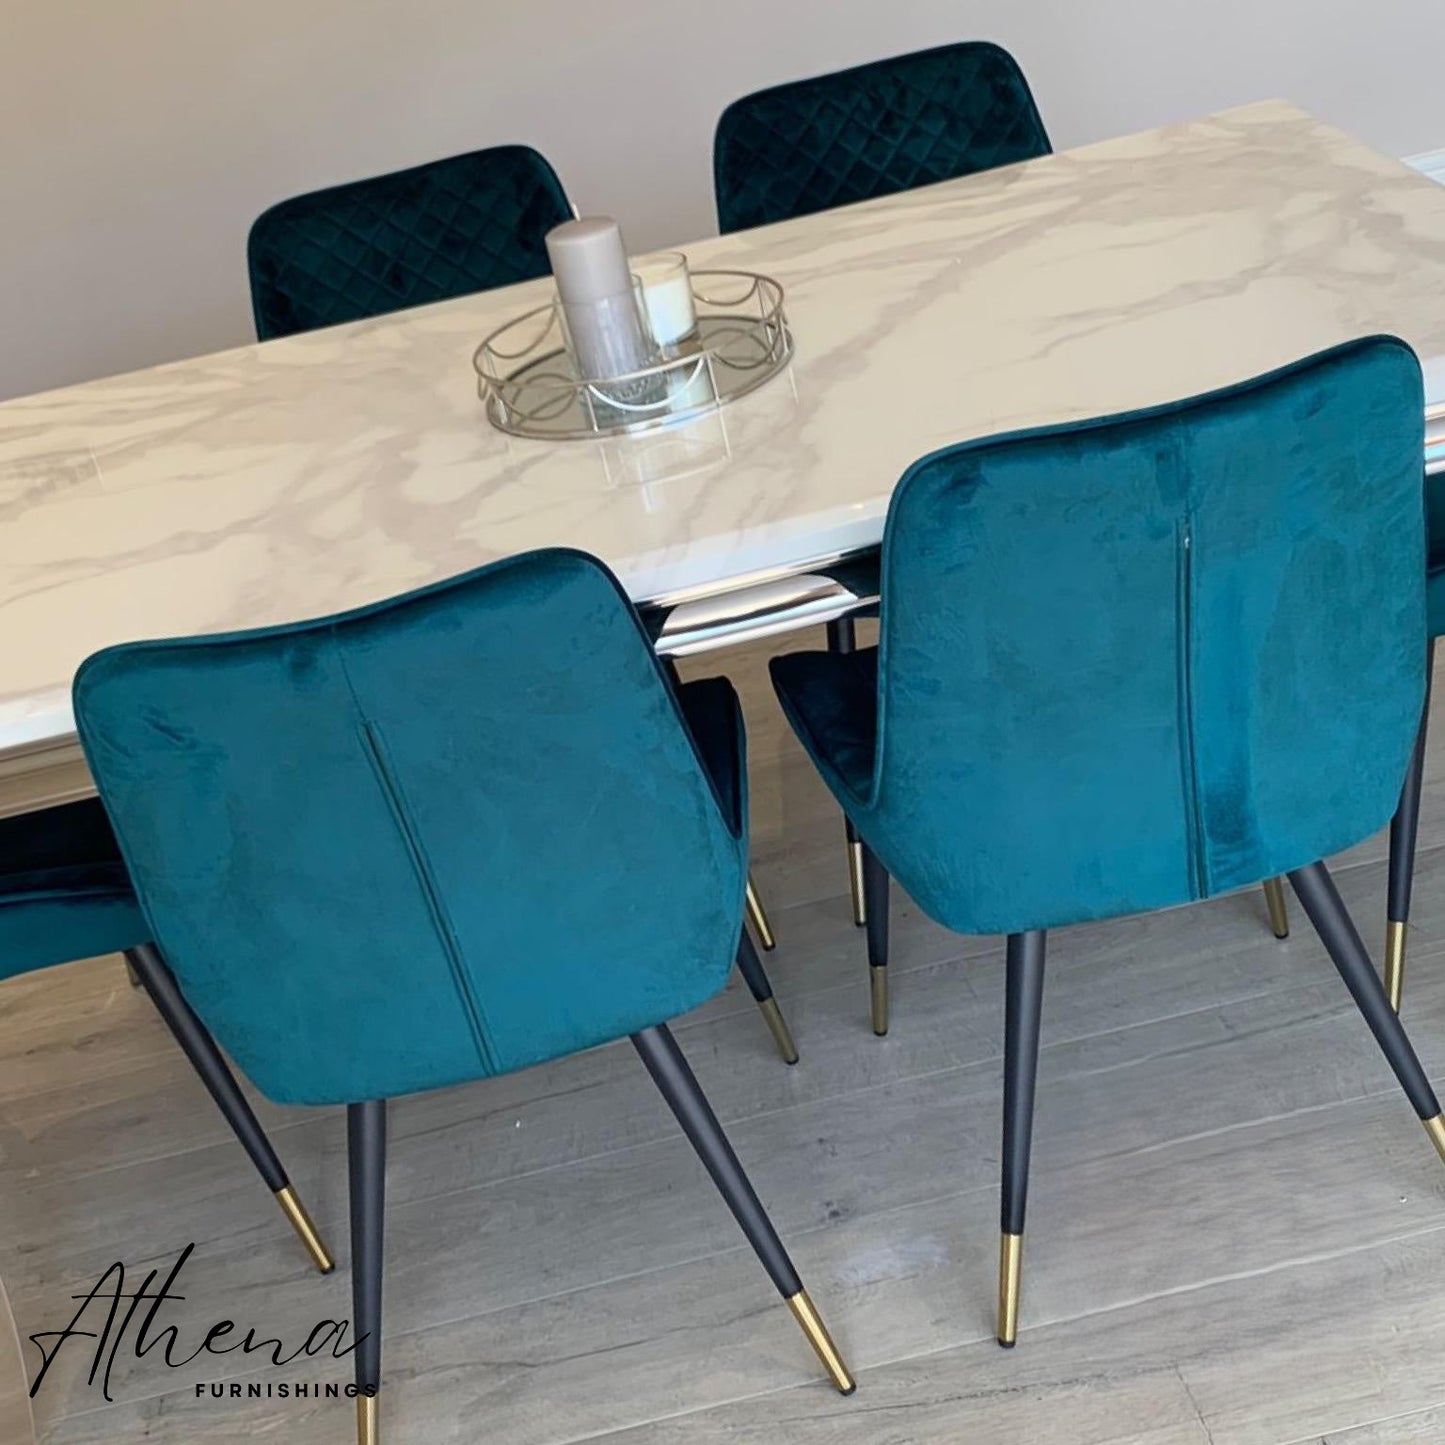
(276, 482)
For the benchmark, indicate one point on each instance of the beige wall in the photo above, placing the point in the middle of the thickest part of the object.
(141, 136)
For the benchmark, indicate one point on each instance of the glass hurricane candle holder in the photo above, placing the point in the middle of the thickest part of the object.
(608, 337)
(667, 302)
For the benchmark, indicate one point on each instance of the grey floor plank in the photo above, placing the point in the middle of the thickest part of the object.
(1419, 1427)
(1257, 1357)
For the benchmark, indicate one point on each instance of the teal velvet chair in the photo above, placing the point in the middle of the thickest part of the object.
(65, 895)
(429, 233)
(1130, 663)
(872, 130)
(431, 841)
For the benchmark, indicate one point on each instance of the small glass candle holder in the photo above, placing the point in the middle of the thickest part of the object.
(667, 302)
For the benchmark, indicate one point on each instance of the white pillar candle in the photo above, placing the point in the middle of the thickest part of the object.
(667, 297)
(598, 297)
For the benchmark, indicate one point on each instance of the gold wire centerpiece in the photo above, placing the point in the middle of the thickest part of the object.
(531, 385)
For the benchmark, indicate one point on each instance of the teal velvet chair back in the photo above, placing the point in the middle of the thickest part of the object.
(429, 233)
(443, 837)
(1133, 662)
(871, 131)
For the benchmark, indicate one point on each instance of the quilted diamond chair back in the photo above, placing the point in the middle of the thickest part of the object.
(1133, 662)
(368, 247)
(871, 131)
(443, 837)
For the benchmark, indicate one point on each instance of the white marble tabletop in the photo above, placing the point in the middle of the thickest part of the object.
(277, 482)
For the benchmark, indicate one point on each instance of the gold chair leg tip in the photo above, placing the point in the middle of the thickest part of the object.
(822, 1342)
(1010, 1276)
(855, 885)
(778, 1027)
(1395, 962)
(878, 998)
(306, 1231)
(758, 917)
(1435, 1128)
(368, 1429)
(1278, 909)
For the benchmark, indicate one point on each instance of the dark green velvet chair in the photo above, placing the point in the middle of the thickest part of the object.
(434, 840)
(1130, 663)
(65, 895)
(872, 130)
(430, 233)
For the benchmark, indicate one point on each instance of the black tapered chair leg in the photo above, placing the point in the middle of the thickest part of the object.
(761, 988)
(366, 1152)
(1316, 891)
(1023, 1011)
(200, 1048)
(843, 637)
(670, 1072)
(876, 896)
(758, 918)
(1404, 828)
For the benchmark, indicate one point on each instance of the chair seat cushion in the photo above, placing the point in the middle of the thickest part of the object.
(64, 891)
(831, 699)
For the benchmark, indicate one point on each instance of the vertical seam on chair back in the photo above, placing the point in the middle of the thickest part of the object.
(1184, 655)
(390, 785)
(374, 746)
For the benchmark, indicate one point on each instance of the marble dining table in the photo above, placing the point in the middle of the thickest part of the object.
(287, 480)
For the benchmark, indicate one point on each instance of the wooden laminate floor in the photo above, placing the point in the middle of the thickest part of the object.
(1236, 1233)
